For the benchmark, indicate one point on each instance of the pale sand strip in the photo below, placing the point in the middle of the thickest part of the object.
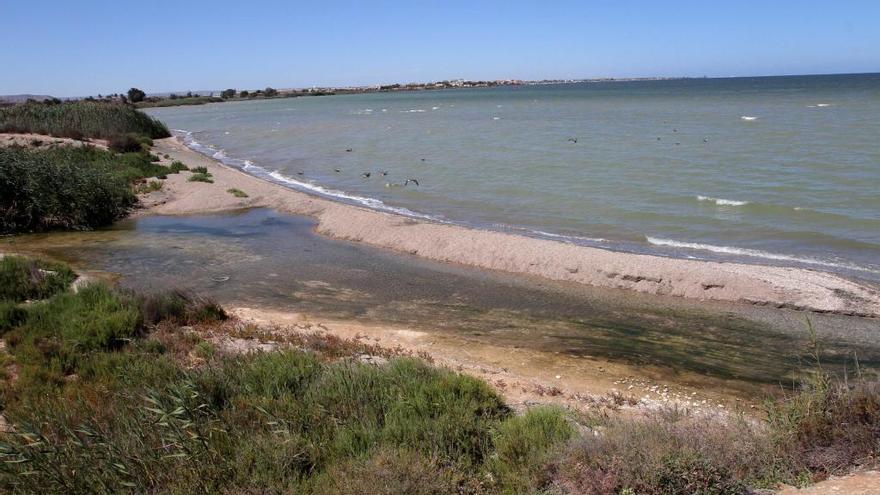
(784, 287)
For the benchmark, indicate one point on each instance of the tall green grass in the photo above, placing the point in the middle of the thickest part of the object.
(24, 278)
(80, 119)
(68, 187)
(98, 407)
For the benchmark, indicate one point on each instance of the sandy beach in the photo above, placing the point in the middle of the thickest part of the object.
(792, 288)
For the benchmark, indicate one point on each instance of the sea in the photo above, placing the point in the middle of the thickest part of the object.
(763, 170)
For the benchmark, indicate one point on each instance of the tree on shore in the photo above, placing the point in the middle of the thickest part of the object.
(135, 95)
(244, 93)
(227, 93)
(270, 92)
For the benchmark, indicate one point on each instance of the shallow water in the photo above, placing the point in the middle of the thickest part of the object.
(782, 170)
(266, 259)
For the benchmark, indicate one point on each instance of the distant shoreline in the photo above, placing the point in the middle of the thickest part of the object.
(793, 288)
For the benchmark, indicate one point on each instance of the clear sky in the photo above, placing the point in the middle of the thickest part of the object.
(79, 48)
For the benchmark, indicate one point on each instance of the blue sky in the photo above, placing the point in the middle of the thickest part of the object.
(68, 48)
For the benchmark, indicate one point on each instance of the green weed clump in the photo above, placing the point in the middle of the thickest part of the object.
(238, 193)
(80, 119)
(29, 279)
(149, 187)
(201, 177)
(176, 166)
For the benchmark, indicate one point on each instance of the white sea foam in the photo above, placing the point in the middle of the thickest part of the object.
(496, 118)
(722, 201)
(568, 238)
(435, 108)
(414, 110)
(755, 253)
(749, 118)
(278, 177)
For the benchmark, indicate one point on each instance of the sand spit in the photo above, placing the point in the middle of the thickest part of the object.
(793, 288)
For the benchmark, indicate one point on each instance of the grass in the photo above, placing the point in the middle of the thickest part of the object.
(68, 187)
(827, 427)
(149, 187)
(200, 170)
(176, 166)
(80, 119)
(200, 177)
(99, 405)
(115, 392)
(238, 193)
(24, 278)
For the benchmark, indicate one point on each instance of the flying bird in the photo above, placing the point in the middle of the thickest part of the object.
(366, 175)
(337, 170)
(348, 150)
(407, 181)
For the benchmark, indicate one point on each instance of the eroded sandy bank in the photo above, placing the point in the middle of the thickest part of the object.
(778, 286)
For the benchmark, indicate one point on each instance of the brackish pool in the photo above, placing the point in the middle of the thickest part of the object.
(261, 258)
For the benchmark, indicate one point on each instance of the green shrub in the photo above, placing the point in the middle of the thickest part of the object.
(238, 193)
(78, 119)
(525, 445)
(179, 307)
(176, 166)
(11, 316)
(126, 143)
(67, 187)
(24, 278)
(200, 177)
(59, 332)
(149, 187)
(200, 170)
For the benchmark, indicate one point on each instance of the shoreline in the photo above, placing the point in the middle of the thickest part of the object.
(782, 287)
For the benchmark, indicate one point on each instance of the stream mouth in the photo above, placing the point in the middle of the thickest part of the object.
(265, 259)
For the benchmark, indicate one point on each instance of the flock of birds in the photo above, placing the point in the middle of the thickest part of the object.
(368, 174)
(384, 173)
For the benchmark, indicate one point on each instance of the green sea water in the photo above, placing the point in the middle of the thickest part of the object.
(777, 170)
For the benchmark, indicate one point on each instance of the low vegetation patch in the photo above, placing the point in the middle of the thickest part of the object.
(101, 406)
(201, 177)
(80, 119)
(25, 278)
(68, 187)
(176, 166)
(148, 187)
(238, 193)
(116, 392)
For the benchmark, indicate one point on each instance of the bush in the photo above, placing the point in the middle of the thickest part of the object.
(24, 278)
(124, 144)
(200, 170)
(79, 119)
(200, 177)
(67, 187)
(135, 95)
(11, 316)
(176, 166)
(179, 307)
(238, 193)
(525, 445)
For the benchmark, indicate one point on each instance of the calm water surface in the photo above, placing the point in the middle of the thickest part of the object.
(782, 170)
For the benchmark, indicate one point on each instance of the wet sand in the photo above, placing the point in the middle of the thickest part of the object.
(781, 287)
